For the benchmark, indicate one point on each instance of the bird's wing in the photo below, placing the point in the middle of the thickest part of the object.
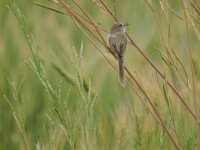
(112, 42)
(118, 42)
(123, 43)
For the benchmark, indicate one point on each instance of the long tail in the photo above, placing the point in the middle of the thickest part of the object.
(121, 70)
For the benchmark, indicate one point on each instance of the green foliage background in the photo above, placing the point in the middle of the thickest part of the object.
(90, 110)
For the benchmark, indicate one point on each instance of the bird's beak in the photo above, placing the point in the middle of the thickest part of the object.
(125, 24)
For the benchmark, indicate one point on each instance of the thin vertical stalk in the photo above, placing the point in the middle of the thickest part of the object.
(192, 69)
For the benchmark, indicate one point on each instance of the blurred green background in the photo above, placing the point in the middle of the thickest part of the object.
(120, 120)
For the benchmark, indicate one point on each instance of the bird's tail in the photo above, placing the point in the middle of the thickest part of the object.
(121, 70)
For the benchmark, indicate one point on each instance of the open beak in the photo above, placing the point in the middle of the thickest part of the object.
(125, 24)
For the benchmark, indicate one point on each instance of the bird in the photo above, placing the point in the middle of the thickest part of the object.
(118, 41)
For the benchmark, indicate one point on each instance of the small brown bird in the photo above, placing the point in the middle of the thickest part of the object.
(118, 41)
